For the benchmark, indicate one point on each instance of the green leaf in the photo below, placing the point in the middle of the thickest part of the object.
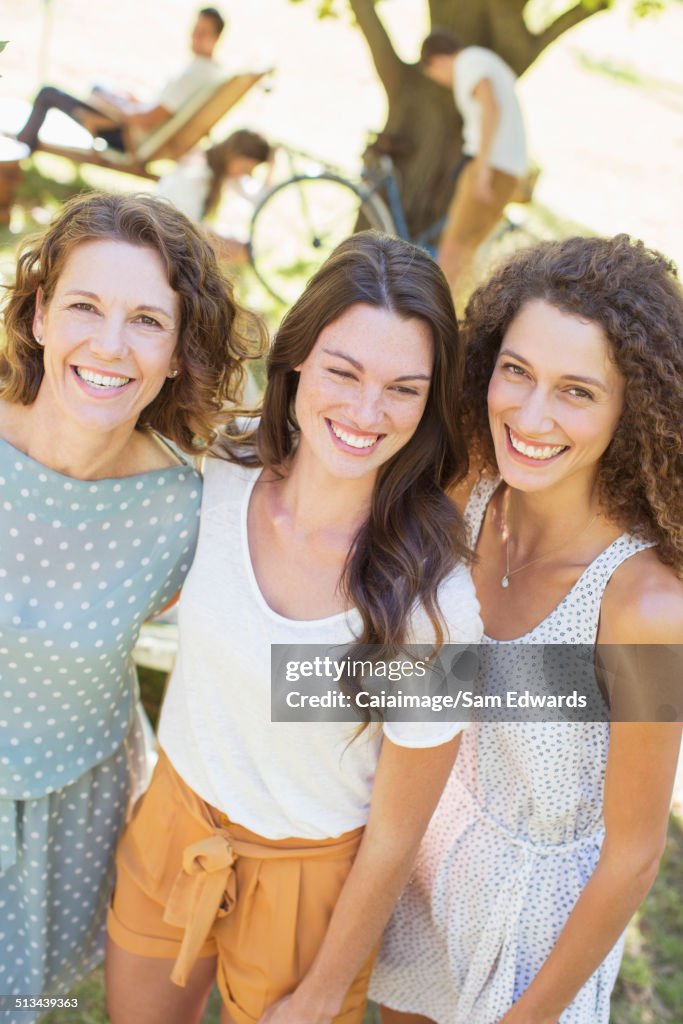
(645, 7)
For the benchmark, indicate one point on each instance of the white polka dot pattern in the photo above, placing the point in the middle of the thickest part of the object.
(82, 565)
(53, 900)
(515, 838)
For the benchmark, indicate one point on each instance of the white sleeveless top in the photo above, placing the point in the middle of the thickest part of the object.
(514, 840)
(279, 779)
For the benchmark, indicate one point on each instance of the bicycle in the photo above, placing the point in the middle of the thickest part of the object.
(298, 222)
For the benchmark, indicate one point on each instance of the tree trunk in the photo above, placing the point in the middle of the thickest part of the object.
(499, 25)
(422, 132)
(423, 129)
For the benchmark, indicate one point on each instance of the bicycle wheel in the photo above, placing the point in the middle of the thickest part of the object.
(297, 224)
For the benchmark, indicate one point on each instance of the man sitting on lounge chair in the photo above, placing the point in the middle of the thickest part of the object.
(114, 117)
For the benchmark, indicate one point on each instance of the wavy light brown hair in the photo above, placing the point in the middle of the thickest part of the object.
(215, 335)
(413, 536)
(633, 294)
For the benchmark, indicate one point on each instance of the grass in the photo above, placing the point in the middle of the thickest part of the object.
(650, 985)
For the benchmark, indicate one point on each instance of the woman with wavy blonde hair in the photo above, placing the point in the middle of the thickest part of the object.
(549, 833)
(120, 336)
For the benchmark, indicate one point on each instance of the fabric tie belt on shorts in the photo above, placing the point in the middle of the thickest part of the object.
(205, 887)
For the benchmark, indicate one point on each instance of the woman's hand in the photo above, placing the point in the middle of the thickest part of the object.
(407, 786)
(641, 631)
(293, 1010)
(518, 1015)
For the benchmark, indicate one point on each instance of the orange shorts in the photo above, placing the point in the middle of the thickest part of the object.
(191, 884)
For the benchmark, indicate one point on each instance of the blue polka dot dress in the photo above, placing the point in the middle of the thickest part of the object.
(82, 565)
(515, 838)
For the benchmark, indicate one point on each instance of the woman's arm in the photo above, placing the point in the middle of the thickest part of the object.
(407, 786)
(641, 767)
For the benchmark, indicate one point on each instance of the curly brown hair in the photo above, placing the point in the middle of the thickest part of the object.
(414, 536)
(633, 294)
(215, 334)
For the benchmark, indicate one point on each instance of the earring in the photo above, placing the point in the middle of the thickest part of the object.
(173, 373)
(39, 338)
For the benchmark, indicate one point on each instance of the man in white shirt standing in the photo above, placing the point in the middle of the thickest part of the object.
(494, 146)
(111, 115)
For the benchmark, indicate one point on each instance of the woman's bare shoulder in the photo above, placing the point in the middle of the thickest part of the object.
(643, 603)
(150, 452)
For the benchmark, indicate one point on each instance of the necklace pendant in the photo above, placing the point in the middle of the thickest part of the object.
(505, 582)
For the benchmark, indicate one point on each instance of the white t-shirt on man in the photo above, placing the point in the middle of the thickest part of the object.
(509, 150)
(197, 75)
(311, 780)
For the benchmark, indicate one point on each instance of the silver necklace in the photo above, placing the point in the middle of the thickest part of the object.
(505, 579)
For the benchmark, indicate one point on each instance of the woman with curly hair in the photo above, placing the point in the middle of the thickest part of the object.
(120, 336)
(287, 842)
(549, 834)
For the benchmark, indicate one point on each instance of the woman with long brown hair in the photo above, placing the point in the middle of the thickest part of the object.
(196, 183)
(328, 524)
(549, 833)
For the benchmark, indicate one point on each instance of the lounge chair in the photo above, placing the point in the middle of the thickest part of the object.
(174, 137)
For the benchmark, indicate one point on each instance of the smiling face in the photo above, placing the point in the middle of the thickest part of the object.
(109, 335)
(555, 398)
(363, 389)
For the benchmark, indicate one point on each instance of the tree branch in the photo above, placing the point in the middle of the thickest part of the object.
(390, 68)
(566, 21)
(513, 40)
(469, 22)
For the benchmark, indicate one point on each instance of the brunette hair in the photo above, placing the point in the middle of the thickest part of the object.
(241, 143)
(413, 536)
(439, 42)
(215, 16)
(214, 336)
(633, 294)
